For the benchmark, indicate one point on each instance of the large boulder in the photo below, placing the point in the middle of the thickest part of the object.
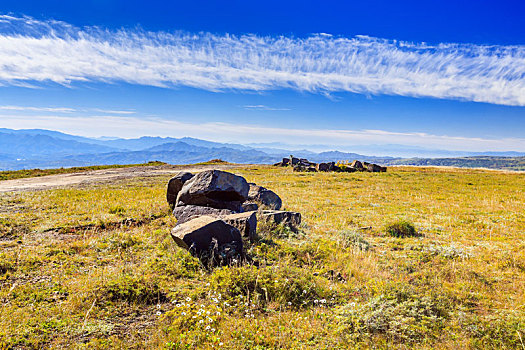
(373, 168)
(357, 164)
(288, 218)
(214, 188)
(264, 196)
(175, 185)
(323, 167)
(284, 162)
(246, 223)
(211, 239)
(188, 212)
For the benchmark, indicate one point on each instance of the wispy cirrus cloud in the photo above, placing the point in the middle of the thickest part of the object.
(65, 110)
(113, 111)
(49, 51)
(264, 108)
(38, 109)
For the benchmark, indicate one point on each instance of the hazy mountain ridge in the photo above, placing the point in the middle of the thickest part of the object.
(37, 148)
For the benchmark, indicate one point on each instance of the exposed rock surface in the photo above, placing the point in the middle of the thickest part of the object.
(216, 189)
(207, 237)
(357, 164)
(249, 206)
(187, 212)
(175, 185)
(374, 168)
(267, 198)
(246, 223)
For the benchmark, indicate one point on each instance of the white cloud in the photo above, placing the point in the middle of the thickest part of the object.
(64, 110)
(109, 111)
(38, 109)
(264, 108)
(129, 127)
(49, 51)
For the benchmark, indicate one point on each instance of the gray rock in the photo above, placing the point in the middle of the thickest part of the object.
(214, 188)
(286, 217)
(373, 168)
(246, 223)
(188, 212)
(357, 164)
(324, 167)
(294, 161)
(175, 185)
(302, 168)
(211, 239)
(249, 206)
(267, 198)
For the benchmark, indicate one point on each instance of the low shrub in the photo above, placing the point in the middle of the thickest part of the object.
(286, 286)
(353, 239)
(131, 289)
(399, 316)
(401, 229)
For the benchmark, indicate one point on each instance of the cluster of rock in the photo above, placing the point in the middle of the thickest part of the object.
(302, 164)
(217, 214)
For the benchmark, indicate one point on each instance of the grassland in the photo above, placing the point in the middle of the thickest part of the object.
(26, 173)
(94, 267)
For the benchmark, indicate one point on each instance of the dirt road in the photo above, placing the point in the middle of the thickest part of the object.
(97, 176)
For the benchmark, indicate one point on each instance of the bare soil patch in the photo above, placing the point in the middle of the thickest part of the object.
(98, 176)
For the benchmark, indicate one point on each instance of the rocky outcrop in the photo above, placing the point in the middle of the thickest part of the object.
(304, 165)
(267, 198)
(216, 210)
(214, 188)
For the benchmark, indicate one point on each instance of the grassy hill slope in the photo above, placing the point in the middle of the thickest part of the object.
(94, 266)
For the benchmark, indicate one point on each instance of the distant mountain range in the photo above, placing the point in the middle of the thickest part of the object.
(38, 148)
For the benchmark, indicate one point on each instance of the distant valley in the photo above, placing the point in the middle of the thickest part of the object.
(38, 148)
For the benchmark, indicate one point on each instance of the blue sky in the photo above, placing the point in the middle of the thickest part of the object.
(437, 74)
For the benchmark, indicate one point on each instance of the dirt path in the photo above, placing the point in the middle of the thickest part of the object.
(96, 176)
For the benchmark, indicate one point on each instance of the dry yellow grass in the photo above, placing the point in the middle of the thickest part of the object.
(94, 267)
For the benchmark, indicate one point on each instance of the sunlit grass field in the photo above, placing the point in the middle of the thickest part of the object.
(95, 267)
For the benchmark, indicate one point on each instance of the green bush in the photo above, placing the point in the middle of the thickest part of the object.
(401, 229)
